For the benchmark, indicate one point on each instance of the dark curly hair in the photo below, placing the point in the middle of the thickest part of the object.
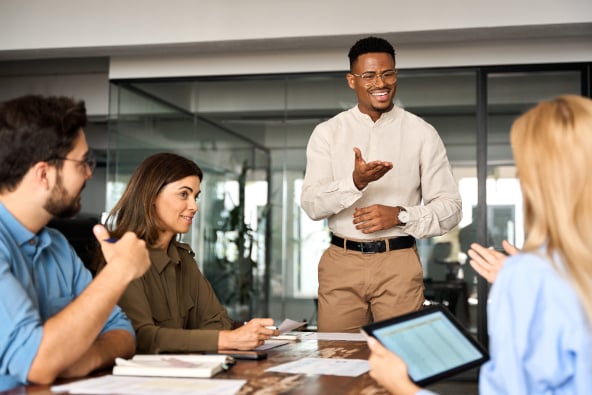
(367, 45)
(34, 129)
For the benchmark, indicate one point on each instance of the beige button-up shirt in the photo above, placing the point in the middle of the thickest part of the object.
(421, 180)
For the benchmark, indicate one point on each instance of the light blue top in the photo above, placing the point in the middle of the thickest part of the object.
(40, 274)
(539, 337)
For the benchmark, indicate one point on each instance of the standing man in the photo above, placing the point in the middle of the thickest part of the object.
(381, 176)
(55, 320)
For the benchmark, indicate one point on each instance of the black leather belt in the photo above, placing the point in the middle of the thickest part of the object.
(372, 247)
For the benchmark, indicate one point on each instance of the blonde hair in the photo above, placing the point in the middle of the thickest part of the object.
(552, 145)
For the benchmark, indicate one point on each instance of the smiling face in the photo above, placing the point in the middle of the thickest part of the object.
(376, 97)
(175, 207)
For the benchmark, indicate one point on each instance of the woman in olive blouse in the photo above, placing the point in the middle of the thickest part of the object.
(173, 307)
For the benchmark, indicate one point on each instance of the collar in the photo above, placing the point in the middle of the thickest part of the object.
(21, 235)
(384, 117)
(161, 259)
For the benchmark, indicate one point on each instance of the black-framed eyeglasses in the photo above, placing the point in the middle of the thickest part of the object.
(369, 77)
(89, 161)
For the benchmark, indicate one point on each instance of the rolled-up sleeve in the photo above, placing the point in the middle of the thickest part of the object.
(21, 329)
(322, 193)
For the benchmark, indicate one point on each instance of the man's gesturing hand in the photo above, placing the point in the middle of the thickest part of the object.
(365, 173)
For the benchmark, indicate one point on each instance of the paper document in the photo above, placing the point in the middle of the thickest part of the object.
(358, 337)
(271, 343)
(286, 328)
(289, 325)
(150, 386)
(328, 366)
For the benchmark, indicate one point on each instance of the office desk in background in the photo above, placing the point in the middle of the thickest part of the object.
(260, 381)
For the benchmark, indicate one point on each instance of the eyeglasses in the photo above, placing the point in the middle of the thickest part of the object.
(89, 161)
(369, 77)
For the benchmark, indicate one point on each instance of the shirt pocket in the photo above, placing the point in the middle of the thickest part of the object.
(186, 307)
(161, 314)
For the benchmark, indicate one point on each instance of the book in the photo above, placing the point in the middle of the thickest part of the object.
(172, 365)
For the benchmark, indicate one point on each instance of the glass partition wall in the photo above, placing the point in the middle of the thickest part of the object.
(249, 135)
(228, 234)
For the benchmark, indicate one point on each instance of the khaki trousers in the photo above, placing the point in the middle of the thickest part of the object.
(356, 289)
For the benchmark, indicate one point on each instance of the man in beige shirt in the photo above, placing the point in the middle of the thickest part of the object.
(381, 177)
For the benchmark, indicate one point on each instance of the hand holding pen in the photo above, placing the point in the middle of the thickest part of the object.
(128, 254)
(249, 336)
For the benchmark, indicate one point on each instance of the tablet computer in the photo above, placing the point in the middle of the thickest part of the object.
(432, 342)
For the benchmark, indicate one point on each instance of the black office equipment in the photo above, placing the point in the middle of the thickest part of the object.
(431, 341)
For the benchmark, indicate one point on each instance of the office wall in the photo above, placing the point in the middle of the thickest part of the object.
(147, 39)
(61, 24)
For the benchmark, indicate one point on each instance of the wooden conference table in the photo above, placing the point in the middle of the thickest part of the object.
(261, 382)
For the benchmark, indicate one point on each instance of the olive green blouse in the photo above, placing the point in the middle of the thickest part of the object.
(173, 307)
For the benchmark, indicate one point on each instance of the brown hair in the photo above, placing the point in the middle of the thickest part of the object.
(135, 210)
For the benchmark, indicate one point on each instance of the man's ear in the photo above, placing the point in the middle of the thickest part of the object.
(351, 81)
(42, 173)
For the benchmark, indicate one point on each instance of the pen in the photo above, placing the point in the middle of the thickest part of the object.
(272, 327)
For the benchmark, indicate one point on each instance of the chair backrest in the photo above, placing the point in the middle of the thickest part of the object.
(437, 266)
(79, 233)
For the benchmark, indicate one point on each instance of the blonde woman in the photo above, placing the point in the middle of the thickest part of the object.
(540, 306)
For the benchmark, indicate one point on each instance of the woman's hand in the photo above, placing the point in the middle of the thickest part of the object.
(389, 370)
(252, 334)
(487, 261)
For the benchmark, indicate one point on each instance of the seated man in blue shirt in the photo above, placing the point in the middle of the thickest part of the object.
(56, 320)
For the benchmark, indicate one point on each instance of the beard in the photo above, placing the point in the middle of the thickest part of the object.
(61, 204)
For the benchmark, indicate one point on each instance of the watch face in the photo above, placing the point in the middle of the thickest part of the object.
(403, 216)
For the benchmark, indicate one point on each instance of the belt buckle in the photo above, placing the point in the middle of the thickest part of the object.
(371, 250)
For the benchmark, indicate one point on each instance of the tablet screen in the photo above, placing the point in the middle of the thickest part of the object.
(432, 343)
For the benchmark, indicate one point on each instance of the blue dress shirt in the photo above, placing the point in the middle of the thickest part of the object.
(40, 274)
(540, 339)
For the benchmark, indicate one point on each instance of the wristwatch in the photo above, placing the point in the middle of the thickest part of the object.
(403, 216)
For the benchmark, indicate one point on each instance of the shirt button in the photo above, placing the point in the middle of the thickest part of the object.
(32, 242)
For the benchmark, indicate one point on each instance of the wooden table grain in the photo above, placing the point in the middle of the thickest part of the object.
(270, 383)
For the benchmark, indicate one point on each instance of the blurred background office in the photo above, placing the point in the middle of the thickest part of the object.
(238, 86)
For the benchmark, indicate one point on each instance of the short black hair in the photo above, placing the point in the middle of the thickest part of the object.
(367, 45)
(35, 129)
